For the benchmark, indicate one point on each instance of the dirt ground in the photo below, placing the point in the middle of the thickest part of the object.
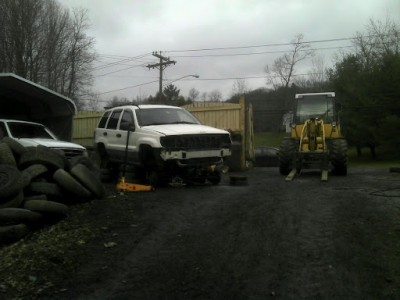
(269, 239)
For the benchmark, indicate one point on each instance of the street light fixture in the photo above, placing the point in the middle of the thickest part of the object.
(191, 75)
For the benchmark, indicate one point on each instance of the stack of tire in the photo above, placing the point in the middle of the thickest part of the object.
(37, 184)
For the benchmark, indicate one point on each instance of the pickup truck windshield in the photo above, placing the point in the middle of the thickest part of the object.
(162, 116)
(25, 130)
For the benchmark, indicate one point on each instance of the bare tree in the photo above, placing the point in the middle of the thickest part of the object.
(193, 94)
(42, 42)
(283, 68)
(316, 79)
(239, 87)
(381, 38)
(215, 96)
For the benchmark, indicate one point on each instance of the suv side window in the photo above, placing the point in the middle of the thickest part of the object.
(113, 122)
(127, 120)
(103, 120)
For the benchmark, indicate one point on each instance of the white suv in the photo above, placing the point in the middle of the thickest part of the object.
(165, 141)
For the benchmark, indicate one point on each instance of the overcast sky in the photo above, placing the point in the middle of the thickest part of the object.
(133, 29)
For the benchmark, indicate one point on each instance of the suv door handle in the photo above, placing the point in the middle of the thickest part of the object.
(118, 135)
(104, 133)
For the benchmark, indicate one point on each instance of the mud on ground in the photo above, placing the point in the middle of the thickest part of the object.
(304, 239)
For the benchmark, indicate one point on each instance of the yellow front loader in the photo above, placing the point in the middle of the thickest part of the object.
(316, 141)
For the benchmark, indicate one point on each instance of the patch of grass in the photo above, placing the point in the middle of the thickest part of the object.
(384, 158)
(272, 139)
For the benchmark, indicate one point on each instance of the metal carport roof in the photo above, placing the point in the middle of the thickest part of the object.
(25, 100)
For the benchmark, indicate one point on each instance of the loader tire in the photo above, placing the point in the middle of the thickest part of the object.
(338, 157)
(286, 152)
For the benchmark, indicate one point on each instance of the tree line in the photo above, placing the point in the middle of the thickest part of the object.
(45, 43)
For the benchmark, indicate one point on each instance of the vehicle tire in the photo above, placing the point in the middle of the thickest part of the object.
(338, 156)
(286, 152)
(11, 182)
(70, 184)
(12, 233)
(15, 202)
(47, 188)
(88, 180)
(17, 148)
(9, 216)
(6, 155)
(35, 170)
(41, 155)
(214, 177)
(46, 207)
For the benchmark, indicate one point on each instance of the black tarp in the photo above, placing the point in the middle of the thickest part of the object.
(25, 100)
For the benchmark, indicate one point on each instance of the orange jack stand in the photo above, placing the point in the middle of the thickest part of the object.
(132, 187)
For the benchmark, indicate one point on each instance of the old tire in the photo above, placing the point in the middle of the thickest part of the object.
(46, 207)
(35, 170)
(338, 156)
(17, 148)
(11, 182)
(18, 215)
(47, 188)
(286, 152)
(6, 155)
(88, 180)
(41, 155)
(70, 184)
(12, 233)
(15, 202)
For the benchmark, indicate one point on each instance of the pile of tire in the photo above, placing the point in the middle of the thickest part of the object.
(37, 184)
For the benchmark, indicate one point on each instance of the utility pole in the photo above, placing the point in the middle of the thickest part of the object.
(164, 62)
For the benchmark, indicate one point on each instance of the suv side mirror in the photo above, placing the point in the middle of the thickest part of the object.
(127, 126)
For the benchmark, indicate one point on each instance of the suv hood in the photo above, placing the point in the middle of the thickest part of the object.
(174, 129)
(49, 143)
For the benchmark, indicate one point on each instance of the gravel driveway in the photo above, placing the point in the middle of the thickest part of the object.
(269, 239)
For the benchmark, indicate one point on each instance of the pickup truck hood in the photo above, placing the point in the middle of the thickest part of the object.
(49, 143)
(179, 129)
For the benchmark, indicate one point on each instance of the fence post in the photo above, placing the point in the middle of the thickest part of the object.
(242, 122)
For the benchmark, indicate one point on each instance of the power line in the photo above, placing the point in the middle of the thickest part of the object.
(264, 45)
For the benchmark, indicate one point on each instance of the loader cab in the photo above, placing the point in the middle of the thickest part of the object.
(320, 106)
(317, 106)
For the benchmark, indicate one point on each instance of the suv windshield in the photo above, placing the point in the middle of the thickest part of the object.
(161, 116)
(315, 107)
(25, 130)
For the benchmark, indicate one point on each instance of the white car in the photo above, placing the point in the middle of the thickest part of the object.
(164, 140)
(31, 134)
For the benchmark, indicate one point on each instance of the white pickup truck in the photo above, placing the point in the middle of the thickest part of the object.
(31, 134)
(165, 141)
